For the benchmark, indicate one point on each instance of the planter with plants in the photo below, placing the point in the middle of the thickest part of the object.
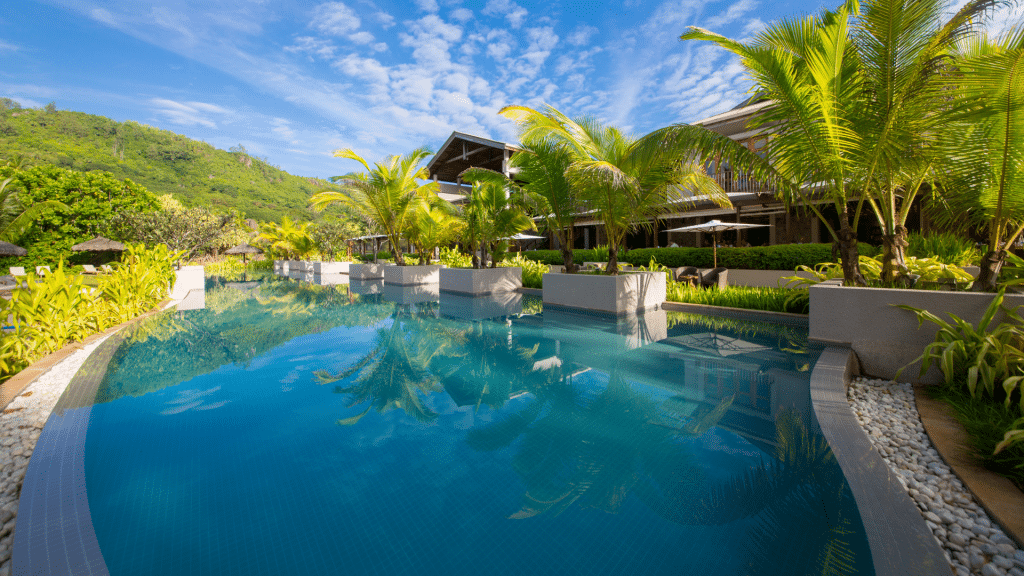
(481, 281)
(411, 275)
(368, 271)
(331, 267)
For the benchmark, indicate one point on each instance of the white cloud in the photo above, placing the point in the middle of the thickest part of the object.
(283, 127)
(581, 35)
(310, 45)
(365, 69)
(187, 113)
(514, 13)
(335, 18)
(7, 46)
(427, 5)
(363, 37)
(101, 15)
(386, 20)
(462, 14)
(731, 14)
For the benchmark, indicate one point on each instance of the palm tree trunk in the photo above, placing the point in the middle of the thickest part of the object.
(894, 254)
(613, 258)
(991, 266)
(494, 261)
(849, 256)
(566, 249)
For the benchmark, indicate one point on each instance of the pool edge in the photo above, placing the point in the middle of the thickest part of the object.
(900, 541)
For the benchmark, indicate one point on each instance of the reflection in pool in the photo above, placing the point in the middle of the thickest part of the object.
(295, 428)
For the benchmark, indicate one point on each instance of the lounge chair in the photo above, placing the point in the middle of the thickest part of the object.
(42, 271)
(89, 269)
(687, 274)
(715, 277)
(106, 268)
(18, 271)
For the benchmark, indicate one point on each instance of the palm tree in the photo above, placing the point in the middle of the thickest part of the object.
(627, 181)
(495, 211)
(290, 239)
(984, 185)
(902, 47)
(436, 223)
(386, 195)
(16, 219)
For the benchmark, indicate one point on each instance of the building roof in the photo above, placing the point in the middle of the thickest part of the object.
(734, 123)
(462, 151)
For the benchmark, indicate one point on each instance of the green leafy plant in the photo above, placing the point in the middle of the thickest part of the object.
(943, 247)
(746, 297)
(453, 258)
(533, 272)
(981, 357)
(1013, 437)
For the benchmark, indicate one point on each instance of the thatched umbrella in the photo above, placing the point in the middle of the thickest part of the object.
(99, 244)
(8, 249)
(243, 249)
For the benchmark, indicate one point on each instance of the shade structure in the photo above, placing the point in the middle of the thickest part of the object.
(716, 226)
(99, 244)
(522, 236)
(8, 249)
(244, 250)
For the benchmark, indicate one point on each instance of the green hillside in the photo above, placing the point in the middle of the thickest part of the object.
(164, 162)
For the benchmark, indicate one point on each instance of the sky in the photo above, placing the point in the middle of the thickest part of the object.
(292, 81)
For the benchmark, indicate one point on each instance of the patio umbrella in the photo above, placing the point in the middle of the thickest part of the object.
(521, 236)
(244, 250)
(716, 226)
(99, 244)
(8, 249)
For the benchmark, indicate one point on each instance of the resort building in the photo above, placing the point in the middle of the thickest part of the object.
(752, 201)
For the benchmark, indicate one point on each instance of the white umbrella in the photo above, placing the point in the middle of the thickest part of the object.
(716, 226)
(522, 236)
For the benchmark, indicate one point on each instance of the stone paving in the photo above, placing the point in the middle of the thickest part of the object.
(973, 543)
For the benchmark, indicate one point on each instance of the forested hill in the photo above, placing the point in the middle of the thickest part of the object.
(164, 162)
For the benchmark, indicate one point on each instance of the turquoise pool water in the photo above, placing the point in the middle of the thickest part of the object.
(289, 428)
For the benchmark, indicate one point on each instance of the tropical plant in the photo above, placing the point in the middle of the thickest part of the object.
(747, 297)
(533, 271)
(436, 223)
(926, 269)
(944, 247)
(627, 181)
(980, 358)
(15, 219)
(452, 258)
(494, 212)
(983, 186)
(330, 237)
(805, 67)
(386, 196)
(289, 240)
(1013, 437)
(193, 230)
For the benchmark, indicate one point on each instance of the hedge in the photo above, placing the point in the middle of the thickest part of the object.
(780, 257)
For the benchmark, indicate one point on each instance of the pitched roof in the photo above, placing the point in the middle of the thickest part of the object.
(462, 151)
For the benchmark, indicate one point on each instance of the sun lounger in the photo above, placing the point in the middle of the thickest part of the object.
(89, 269)
(18, 271)
(106, 268)
(42, 271)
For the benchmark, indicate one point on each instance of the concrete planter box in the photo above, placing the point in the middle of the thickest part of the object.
(366, 271)
(412, 275)
(280, 265)
(331, 267)
(761, 278)
(887, 338)
(406, 295)
(365, 287)
(469, 307)
(481, 282)
(616, 295)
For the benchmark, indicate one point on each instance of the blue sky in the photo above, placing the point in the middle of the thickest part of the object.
(294, 80)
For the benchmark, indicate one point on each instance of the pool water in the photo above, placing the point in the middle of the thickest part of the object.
(290, 428)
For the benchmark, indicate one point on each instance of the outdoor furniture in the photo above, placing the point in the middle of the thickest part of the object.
(688, 274)
(244, 250)
(42, 271)
(106, 268)
(715, 277)
(18, 271)
(89, 269)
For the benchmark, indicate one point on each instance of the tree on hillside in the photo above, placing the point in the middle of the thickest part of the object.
(194, 230)
(90, 200)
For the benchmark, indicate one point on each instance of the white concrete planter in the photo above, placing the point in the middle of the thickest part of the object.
(294, 266)
(618, 295)
(762, 278)
(887, 338)
(365, 287)
(366, 271)
(331, 267)
(469, 307)
(482, 281)
(330, 279)
(280, 265)
(417, 294)
(412, 275)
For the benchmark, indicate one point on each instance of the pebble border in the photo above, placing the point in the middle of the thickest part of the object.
(972, 542)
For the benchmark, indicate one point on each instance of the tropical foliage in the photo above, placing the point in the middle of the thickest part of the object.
(15, 218)
(287, 240)
(47, 313)
(192, 230)
(387, 196)
(161, 161)
(494, 212)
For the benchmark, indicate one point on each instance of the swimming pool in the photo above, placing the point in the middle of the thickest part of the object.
(289, 428)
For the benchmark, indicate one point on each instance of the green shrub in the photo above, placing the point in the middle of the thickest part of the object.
(452, 258)
(943, 247)
(59, 308)
(533, 271)
(746, 297)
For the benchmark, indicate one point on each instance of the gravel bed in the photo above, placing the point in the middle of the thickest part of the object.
(973, 543)
(20, 426)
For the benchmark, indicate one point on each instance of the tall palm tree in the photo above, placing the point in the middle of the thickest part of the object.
(290, 239)
(495, 211)
(902, 48)
(386, 195)
(984, 185)
(16, 219)
(805, 67)
(628, 181)
(436, 223)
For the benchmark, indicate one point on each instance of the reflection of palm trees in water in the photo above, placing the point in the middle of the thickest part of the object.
(596, 451)
(396, 371)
